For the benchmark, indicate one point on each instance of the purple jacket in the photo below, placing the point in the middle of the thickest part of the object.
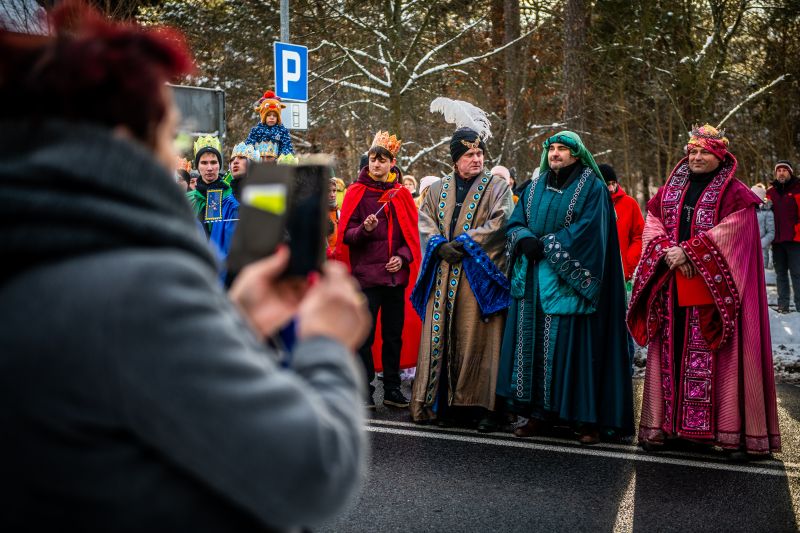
(784, 208)
(369, 251)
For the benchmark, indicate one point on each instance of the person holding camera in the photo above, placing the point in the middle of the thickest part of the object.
(378, 238)
(135, 394)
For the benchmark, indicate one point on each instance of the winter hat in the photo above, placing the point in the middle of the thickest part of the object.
(269, 102)
(412, 178)
(204, 145)
(760, 191)
(426, 182)
(465, 139)
(709, 138)
(501, 171)
(608, 172)
(576, 147)
(784, 163)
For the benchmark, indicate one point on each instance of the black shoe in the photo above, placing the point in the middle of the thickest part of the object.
(488, 424)
(395, 398)
(369, 403)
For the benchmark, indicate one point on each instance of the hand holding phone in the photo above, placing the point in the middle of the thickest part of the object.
(283, 204)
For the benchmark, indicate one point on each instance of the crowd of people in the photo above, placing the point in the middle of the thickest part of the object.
(128, 366)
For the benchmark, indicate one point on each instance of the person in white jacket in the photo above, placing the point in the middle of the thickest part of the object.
(766, 221)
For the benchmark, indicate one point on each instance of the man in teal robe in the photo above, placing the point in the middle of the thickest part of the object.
(566, 355)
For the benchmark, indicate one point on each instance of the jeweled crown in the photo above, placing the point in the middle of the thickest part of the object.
(267, 149)
(246, 150)
(207, 140)
(390, 142)
(707, 131)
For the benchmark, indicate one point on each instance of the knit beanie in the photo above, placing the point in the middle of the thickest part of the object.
(426, 182)
(463, 140)
(784, 163)
(608, 172)
(760, 191)
(501, 171)
(207, 150)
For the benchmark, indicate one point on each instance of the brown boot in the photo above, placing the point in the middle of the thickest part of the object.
(531, 428)
(589, 436)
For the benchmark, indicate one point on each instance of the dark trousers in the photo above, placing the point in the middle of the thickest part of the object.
(391, 302)
(786, 260)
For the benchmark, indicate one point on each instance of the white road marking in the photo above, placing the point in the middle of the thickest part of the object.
(631, 455)
(603, 445)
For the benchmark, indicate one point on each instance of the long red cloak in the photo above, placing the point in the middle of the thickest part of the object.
(406, 211)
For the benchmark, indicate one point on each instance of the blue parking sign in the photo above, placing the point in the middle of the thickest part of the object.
(291, 71)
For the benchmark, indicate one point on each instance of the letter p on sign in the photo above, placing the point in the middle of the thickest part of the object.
(291, 71)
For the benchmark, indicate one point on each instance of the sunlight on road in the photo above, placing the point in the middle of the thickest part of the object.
(624, 522)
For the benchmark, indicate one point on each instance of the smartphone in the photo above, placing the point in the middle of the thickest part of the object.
(283, 204)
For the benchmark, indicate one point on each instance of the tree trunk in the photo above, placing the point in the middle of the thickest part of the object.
(575, 26)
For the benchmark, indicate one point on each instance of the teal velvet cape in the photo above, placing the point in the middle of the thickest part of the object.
(566, 349)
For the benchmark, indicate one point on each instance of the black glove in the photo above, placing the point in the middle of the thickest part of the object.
(452, 252)
(530, 247)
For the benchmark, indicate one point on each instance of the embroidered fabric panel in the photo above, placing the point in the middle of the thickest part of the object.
(427, 275)
(214, 205)
(522, 359)
(717, 275)
(560, 259)
(697, 387)
(444, 294)
(695, 418)
(439, 327)
(562, 263)
(548, 348)
(489, 285)
(471, 202)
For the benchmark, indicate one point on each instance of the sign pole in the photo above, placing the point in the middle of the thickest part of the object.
(285, 21)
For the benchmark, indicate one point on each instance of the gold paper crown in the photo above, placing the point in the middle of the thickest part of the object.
(183, 164)
(207, 140)
(384, 140)
(707, 131)
(288, 159)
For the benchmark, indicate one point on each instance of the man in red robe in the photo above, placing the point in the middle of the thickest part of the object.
(378, 238)
(709, 375)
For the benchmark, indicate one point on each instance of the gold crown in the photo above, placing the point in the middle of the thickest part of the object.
(390, 142)
(207, 140)
(707, 131)
(183, 164)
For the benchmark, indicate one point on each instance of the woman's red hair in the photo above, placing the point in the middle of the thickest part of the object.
(91, 69)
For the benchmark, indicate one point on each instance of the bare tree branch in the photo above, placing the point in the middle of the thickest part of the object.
(751, 97)
(446, 66)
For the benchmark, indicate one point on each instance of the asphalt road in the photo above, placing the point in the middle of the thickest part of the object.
(423, 478)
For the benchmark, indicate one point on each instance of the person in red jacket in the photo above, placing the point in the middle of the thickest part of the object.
(784, 194)
(630, 223)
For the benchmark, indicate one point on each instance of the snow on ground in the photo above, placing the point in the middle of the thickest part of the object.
(785, 330)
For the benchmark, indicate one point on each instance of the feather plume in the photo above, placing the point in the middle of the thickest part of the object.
(463, 115)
